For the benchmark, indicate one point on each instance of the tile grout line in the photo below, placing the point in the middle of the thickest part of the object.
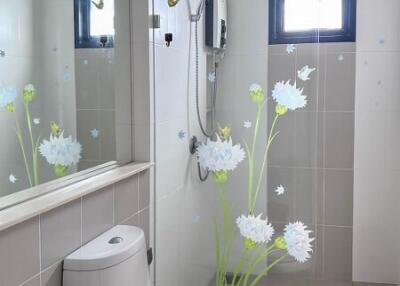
(40, 250)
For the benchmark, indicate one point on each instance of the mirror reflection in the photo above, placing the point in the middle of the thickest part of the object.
(57, 98)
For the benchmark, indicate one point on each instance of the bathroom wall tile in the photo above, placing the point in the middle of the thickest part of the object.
(281, 68)
(126, 199)
(308, 139)
(53, 275)
(246, 28)
(169, 87)
(339, 141)
(95, 222)
(340, 82)
(143, 146)
(338, 253)
(123, 141)
(281, 208)
(60, 232)
(283, 148)
(144, 190)
(308, 183)
(314, 56)
(19, 248)
(369, 156)
(339, 197)
(333, 48)
(33, 282)
(133, 220)
(102, 147)
(144, 223)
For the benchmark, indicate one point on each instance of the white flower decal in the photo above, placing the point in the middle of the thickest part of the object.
(289, 95)
(181, 134)
(280, 190)
(247, 124)
(61, 151)
(255, 228)
(212, 77)
(304, 73)
(220, 155)
(290, 48)
(340, 58)
(8, 95)
(94, 133)
(12, 178)
(298, 241)
(36, 121)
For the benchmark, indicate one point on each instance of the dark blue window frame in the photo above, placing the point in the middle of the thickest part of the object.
(83, 39)
(277, 35)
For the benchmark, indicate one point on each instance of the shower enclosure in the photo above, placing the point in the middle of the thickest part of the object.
(336, 158)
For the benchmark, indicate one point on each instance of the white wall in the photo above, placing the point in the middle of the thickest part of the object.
(184, 232)
(376, 247)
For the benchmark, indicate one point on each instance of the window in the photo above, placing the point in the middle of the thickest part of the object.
(310, 21)
(94, 24)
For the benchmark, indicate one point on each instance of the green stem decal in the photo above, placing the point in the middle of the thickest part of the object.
(21, 143)
(33, 145)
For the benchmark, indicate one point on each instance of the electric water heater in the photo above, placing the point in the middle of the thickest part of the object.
(216, 24)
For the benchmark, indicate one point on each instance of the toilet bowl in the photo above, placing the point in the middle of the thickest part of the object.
(117, 257)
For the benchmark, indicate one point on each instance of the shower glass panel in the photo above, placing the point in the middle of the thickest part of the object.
(328, 158)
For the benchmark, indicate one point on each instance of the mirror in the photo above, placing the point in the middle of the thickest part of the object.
(57, 89)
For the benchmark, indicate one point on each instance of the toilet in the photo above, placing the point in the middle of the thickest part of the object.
(117, 257)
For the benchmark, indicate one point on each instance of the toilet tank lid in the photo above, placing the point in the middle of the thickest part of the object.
(109, 249)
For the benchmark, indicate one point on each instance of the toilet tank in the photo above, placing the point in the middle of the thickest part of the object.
(117, 257)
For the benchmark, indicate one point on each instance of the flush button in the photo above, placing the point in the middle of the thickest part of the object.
(116, 240)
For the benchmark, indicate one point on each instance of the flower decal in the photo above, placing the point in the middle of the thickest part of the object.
(12, 178)
(254, 229)
(304, 73)
(257, 94)
(220, 155)
(280, 190)
(290, 48)
(8, 95)
(94, 133)
(36, 121)
(29, 93)
(288, 95)
(247, 124)
(298, 241)
(61, 152)
(212, 77)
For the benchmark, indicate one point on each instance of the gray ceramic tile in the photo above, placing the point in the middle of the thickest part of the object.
(144, 222)
(102, 147)
(338, 253)
(308, 184)
(97, 213)
(340, 82)
(339, 140)
(126, 201)
(133, 221)
(33, 281)
(340, 47)
(19, 248)
(60, 232)
(144, 190)
(339, 197)
(283, 148)
(314, 57)
(308, 140)
(281, 68)
(53, 276)
(281, 208)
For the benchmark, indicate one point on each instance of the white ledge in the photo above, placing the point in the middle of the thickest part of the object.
(36, 206)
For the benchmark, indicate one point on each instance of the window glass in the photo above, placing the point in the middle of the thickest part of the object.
(303, 15)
